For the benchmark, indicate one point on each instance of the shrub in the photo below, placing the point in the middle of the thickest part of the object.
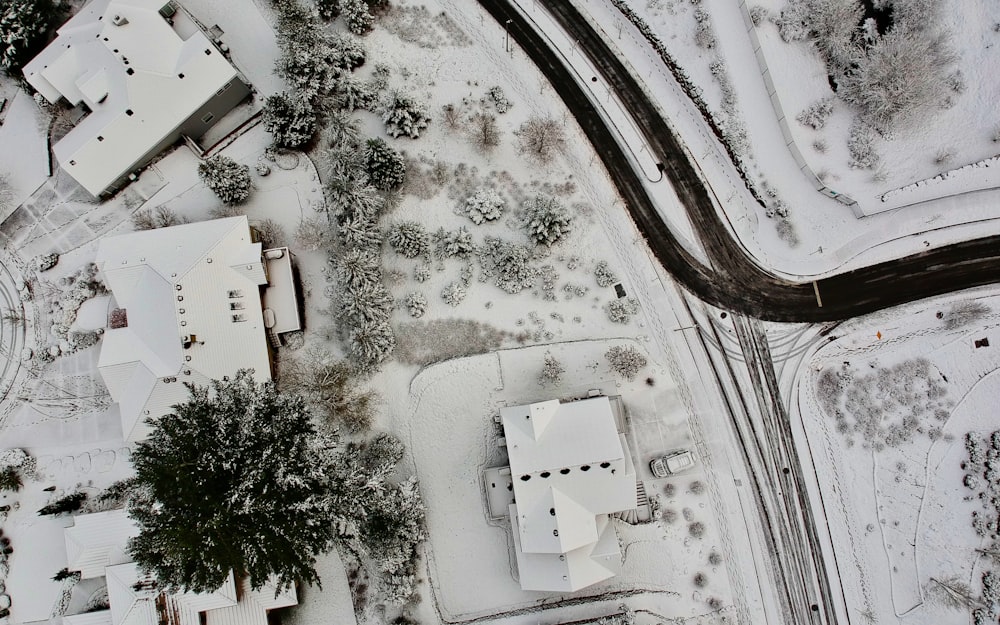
(384, 165)
(484, 130)
(404, 116)
(453, 243)
(416, 304)
(552, 371)
(605, 277)
(816, 114)
(227, 178)
(10, 479)
(68, 503)
(409, 239)
(758, 14)
(714, 558)
(359, 19)
(508, 263)
(156, 217)
(626, 361)
(700, 580)
(484, 205)
(290, 120)
(697, 487)
(499, 99)
(696, 529)
(621, 310)
(546, 219)
(454, 293)
(704, 37)
(540, 138)
(861, 146)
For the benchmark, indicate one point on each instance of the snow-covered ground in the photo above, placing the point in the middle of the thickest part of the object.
(899, 514)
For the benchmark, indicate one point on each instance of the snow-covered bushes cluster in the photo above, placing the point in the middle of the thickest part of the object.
(499, 99)
(626, 360)
(409, 239)
(484, 205)
(73, 291)
(887, 407)
(226, 178)
(621, 310)
(156, 217)
(546, 219)
(454, 293)
(605, 277)
(816, 114)
(861, 146)
(416, 304)
(453, 243)
(509, 264)
(704, 36)
(982, 476)
(15, 465)
(403, 116)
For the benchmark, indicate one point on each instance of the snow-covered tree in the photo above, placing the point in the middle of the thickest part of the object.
(454, 293)
(546, 219)
(65, 504)
(384, 165)
(541, 138)
(233, 480)
(552, 371)
(409, 239)
(227, 178)
(349, 51)
(508, 264)
(626, 361)
(290, 120)
(371, 343)
(269, 233)
(330, 387)
(453, 243)
(484, 205)
(359, 19)
(816, 114)
(314, 233)
(23, 25)
(416, 304)
(484, 131)
(621, 310)
(403, 116)
(605, 277)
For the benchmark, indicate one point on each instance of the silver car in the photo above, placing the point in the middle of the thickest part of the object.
(673, 462)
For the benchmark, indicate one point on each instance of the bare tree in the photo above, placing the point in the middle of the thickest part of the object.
(330, 386)
(270, 233)
(313, 234)
(485, 133)
(540, 138)
(952, 592)
(156, 217)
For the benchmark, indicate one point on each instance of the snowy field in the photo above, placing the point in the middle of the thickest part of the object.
(910, 385)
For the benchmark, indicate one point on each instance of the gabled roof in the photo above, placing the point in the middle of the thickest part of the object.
(253, 606)
(567, 572)
(136, 600)
(140, 76)
(96, 541)
(200, 281)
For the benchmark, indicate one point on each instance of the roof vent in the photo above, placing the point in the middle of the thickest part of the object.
(119, 20)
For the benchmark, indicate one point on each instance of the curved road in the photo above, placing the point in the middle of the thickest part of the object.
(733, 281)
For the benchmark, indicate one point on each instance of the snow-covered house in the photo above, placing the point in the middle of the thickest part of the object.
(570, 468)
(96, 547)
(187, 307)
(145, 76)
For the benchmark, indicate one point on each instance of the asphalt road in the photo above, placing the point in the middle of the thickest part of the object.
(733, 280)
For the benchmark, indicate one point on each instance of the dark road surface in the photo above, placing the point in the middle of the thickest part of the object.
(733, 281)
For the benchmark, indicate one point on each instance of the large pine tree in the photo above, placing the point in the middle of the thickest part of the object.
(234, 479)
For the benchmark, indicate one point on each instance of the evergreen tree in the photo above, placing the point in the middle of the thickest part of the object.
(227, 178)
(409, 239)
(291, 121)
(359, 19)
(404, 116)
(23, 25)
(233, 480)
(385, 166)
(546, 219)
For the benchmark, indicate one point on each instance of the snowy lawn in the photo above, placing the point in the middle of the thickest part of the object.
(890, 470)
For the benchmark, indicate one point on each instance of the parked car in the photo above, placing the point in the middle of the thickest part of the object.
(673, 462)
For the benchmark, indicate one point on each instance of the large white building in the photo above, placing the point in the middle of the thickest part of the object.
(145, 73)
(96, 547)
(187, 307)
(570, 468)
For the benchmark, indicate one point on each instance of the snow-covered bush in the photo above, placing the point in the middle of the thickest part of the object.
(541, 138)
(290, 120)
(552, 371)
(453, 243)
(861, 146)
(359, 19)
(416, 304)
(964, 313)
(499, 99)
(409, 239)
(546, 219)
(605, 277)
(816, 114)
(625, 360)
(15, 465)
(384, 165)
(403, 116)
(621, 310)
(758, 14)
(704, 36)
(508, 263)
(370, 344)
(228, 179)
(348, 51)
(67, 503)
(454, 293)
(313, 234)
(44, 262)
(484, 205)
(23, 26)
(484, 131)
(350, 94)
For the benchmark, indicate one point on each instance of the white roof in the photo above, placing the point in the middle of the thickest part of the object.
(570, 467)
(573, 570)
(98, 540)
(198, 280)
(101, 617)
(253, 606)
(136, 600)
(89, 62)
